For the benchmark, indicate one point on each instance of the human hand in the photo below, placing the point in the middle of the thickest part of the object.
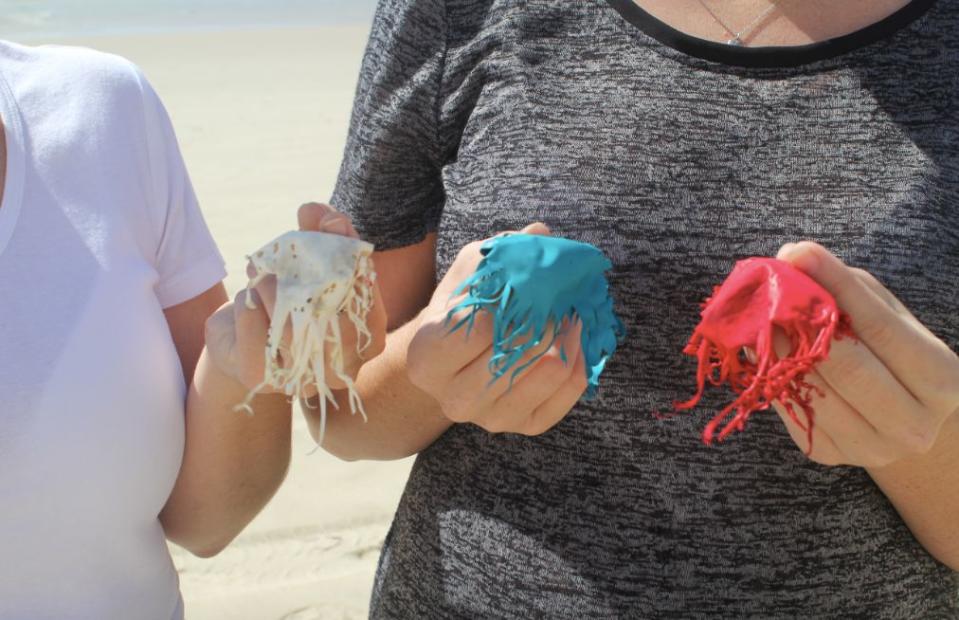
(453, 368)
(236, 334)
(885, 396)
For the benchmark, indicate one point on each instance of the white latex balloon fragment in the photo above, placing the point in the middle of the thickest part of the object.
(319, 278)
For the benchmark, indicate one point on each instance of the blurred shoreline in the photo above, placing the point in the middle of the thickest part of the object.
(39, 21)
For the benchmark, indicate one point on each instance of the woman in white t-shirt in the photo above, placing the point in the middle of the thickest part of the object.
(107, 276)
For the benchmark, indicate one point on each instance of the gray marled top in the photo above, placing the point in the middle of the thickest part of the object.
(475, 116)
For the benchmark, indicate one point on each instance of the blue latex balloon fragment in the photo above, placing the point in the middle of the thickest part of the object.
(530, 283)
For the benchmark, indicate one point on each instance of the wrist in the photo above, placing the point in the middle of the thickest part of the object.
(212, 378)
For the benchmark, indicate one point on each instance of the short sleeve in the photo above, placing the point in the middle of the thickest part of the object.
(390, 180)
(187, 259)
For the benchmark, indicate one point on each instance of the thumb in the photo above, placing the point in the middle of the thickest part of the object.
(806, 256)
(309, 215)
(318, 217)
(537, 228)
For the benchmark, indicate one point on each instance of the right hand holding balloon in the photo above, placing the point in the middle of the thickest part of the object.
(454, 368)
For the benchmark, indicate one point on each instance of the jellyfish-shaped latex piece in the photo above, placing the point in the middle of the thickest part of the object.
(319, 278)
(760, 295)
(530, 283)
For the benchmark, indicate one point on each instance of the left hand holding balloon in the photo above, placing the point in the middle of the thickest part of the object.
(884, 396)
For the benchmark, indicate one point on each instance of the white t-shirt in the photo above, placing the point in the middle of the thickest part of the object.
(99, 232)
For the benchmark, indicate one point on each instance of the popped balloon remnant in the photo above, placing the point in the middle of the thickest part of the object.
(319, 278)
(760, 295)
(530, 284)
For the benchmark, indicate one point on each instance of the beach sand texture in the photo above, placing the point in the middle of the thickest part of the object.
(261, 117)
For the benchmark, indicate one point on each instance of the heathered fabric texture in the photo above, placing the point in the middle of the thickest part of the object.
(476, 116)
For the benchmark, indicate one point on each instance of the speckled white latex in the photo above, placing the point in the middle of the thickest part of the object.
(319, 277)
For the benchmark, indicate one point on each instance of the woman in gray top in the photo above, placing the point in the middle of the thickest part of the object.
(678, 136)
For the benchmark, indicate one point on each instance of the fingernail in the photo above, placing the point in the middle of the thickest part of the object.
(336, 225)
(801, 256)
(806, 262)
(319, 206)
(785, 251)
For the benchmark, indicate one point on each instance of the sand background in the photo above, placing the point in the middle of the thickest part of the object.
(261, 117)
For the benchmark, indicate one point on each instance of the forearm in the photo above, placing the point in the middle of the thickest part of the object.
(925, 492)
(233, 463)
(402, 420)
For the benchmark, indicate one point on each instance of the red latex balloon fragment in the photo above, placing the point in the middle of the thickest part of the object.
(760, 295)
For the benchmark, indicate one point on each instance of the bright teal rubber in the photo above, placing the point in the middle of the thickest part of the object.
(530, 283)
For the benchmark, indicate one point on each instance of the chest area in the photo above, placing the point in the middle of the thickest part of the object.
(89, 374)
(676, 172)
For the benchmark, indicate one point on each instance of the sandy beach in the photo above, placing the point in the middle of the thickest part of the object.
(261, 117)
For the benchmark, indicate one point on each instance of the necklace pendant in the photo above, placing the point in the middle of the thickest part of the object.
(735, 41)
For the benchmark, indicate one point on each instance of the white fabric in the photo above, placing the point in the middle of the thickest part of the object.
(99, 231)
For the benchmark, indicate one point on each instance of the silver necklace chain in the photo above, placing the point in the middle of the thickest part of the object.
(738, 36)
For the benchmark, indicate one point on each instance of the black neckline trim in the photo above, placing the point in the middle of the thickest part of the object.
(769, 56)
